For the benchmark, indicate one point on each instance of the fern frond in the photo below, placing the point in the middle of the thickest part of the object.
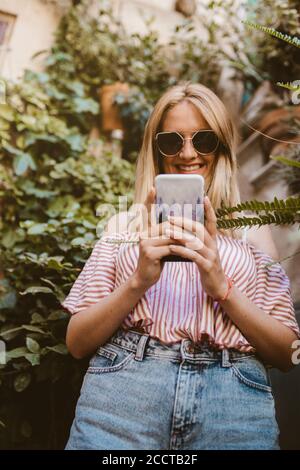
(276, 218)
(273, 32)
(286, 161)
(289, 205)
(289, 86)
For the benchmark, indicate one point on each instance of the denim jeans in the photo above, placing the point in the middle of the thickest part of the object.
(139, 393)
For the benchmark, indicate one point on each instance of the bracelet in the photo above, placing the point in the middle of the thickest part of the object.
(230, 284)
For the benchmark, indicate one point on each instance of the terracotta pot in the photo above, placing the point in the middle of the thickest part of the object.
(278, 116)
(111, 119)
(186, 7)
(276, 124)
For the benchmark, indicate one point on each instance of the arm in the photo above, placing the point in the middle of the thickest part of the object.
(271, 339)
(92, 327)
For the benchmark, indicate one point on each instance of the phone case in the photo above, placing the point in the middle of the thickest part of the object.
(179, 195)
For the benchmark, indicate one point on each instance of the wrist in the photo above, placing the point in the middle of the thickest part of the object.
(137, 284)
(228, 286)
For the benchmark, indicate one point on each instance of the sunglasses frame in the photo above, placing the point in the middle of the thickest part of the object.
(183, 141)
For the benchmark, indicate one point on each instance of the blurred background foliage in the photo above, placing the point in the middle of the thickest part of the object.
(51, 183)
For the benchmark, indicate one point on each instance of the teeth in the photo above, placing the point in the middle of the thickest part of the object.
(191, 167)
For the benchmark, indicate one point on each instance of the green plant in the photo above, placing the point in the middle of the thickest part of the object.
(277, 212)
(280, 63)
(50, 190)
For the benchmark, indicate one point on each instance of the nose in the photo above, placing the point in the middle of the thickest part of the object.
(188, 152)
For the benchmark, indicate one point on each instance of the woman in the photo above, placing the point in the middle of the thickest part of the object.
(180, 350)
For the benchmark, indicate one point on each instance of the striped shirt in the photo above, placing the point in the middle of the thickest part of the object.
(177, 307)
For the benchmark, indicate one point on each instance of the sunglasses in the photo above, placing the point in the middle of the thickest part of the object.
(171, 143)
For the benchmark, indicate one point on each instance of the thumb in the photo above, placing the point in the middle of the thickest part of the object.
(149, 206)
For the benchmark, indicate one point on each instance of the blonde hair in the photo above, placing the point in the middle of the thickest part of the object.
(221, 184)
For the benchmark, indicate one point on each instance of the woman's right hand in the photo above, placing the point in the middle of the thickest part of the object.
(154, 245)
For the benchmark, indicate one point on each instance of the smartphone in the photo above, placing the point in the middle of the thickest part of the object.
(179, 195)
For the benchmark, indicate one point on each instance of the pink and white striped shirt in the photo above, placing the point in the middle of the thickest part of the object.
(177, 307)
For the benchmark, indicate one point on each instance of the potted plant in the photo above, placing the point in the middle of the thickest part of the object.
(111, 119)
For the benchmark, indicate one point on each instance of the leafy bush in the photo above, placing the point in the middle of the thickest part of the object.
(51, 187)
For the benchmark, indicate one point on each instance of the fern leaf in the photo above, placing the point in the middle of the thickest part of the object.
(273, 32)
(286, 161)
(288, 86)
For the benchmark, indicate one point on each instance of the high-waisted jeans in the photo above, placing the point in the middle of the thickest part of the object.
(139, 393)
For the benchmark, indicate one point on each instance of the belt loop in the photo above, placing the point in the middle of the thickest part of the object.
(139, 355)
(184, 347)
(225, 358)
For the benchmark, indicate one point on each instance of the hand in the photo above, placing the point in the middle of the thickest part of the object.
(154, 245)
(150, 264)
(201, 248)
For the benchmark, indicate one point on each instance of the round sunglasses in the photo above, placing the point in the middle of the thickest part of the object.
(171, 143)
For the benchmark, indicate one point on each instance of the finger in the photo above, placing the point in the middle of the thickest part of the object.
(194, 227)
(156, 230)
(190, 254)
(210, 218)
(149, 212)
(159, 252)
(157, 241)
(188, 240)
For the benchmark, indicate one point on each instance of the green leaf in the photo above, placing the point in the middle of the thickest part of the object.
(34, 359)
(57, 315)
(37, 290)
(16, 353)
(37, 318)
(37, 229)
(59, 348)
(22, 381)
(32, 345)
(6, 112)
(286, 161)
(22, 163)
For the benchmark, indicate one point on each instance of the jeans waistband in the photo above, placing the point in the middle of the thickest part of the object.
(143, 344)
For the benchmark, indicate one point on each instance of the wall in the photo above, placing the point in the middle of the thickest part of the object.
(33, 31)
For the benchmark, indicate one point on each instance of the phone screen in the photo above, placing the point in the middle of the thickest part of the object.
(179, 195)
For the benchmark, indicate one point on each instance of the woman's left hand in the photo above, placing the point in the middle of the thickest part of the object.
(199, 244)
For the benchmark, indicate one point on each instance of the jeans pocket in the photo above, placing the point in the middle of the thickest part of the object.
(109, 358)
(252, 372)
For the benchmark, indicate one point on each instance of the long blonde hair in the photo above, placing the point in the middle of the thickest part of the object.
(221, 184)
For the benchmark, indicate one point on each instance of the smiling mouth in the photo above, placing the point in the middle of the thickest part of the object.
(191, 167)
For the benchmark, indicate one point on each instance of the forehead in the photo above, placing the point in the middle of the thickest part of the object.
(184, 117)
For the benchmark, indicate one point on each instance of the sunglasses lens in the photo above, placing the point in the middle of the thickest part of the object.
(169, 143)
(205, 142)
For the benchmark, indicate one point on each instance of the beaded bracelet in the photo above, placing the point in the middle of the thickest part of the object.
(230, 284)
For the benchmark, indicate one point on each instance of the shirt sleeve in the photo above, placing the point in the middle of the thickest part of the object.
(97, 278)
(273, 293)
